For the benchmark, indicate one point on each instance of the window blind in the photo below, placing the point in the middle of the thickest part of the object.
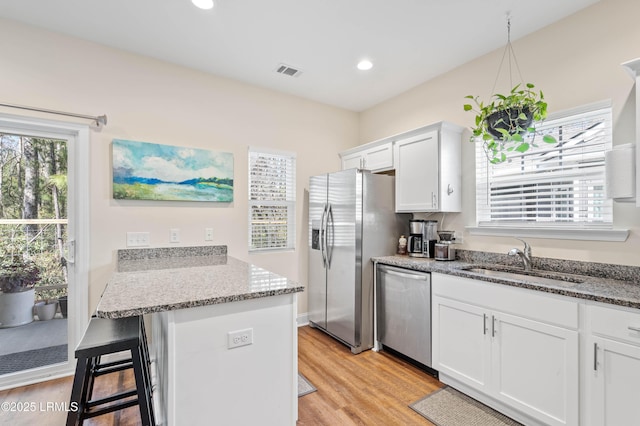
(550, 185)
(272, 200)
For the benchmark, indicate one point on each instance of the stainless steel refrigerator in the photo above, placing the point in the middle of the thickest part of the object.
(351, 219)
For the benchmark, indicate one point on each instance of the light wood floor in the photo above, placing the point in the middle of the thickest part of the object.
(371, 388)
(366, 389)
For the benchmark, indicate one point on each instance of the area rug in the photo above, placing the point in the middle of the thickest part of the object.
(448, 407)
(32, 359)
(304, 386)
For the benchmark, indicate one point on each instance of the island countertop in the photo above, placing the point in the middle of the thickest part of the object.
(156, 280)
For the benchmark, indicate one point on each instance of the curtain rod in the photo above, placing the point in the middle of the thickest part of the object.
(100, 120)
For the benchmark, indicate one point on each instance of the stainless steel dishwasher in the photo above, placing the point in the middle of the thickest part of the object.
(404, 312)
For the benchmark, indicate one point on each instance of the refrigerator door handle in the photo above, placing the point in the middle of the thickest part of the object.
(323, 229)
(329, 246)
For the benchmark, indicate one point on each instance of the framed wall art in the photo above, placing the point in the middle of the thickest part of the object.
(150, 171)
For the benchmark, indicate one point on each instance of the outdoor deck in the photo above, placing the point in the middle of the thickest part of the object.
(33, 345)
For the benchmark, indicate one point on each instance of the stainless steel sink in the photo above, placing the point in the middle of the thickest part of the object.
(538, 276)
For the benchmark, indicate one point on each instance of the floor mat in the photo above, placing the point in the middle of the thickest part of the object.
(304, 386)
(32, 359)
(448, 407)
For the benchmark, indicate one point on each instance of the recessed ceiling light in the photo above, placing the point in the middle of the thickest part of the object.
(365, 65)
(203, 4)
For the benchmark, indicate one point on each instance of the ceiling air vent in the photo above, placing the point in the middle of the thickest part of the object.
(288, 70)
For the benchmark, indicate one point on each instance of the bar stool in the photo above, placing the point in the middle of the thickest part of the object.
(110, 336)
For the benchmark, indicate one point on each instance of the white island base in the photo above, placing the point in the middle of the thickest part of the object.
(199, 380)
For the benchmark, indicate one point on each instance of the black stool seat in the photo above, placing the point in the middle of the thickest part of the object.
(110, 336)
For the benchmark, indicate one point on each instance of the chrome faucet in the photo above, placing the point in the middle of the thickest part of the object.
(524, 255)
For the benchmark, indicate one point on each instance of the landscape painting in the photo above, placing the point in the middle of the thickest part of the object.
(149, 171)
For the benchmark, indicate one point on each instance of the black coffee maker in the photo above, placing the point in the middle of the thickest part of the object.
(416, 238)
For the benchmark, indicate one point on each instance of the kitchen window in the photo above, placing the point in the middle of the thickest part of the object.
(272, 200)
(559, 186)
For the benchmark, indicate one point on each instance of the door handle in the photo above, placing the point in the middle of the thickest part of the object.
(493, 326)
(634, 328)
(329, 246)
(70, 249)
(595, 357)
(322, 236)
(484, 324)
(413, 276)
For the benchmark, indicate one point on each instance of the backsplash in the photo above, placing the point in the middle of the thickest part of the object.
(161, 257)
(592, 269)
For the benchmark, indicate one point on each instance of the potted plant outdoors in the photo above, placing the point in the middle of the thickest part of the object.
(46, 309)
(18, 276)
(503, 124)
(63, 301)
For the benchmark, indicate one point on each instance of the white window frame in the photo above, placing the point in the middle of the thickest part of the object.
(582, 230)
(271, 242)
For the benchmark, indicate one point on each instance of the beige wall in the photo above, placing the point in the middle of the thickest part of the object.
(576, 61)
(152, 101)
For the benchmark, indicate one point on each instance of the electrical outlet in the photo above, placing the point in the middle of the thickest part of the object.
(239, 338)
(137, 239)
(208, 234)
(174, 235)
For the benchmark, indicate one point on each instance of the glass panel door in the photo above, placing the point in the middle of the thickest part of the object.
(35, 276)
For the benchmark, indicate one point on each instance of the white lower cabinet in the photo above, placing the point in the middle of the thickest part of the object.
(511, 348)
(461, 347)
(613, 365)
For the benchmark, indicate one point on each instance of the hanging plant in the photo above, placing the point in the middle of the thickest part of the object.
(508, 122)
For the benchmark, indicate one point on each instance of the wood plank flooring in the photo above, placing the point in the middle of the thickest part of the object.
(366, 389)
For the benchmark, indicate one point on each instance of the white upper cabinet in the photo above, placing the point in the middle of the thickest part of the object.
(633, 67)
(428, 169)
(376, 156)
(427, 163)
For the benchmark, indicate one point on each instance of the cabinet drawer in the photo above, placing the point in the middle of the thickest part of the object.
(536, 305)
(615, 323)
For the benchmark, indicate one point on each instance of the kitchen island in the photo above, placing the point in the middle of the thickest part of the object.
(223, 335)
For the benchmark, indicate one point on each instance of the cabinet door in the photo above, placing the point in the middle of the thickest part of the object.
(615, 378)
(461, 342)
(353, 161)
(535, 368)
(379, 158)
(417, 177)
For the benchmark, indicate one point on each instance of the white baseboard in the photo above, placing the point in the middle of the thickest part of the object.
(302, 319)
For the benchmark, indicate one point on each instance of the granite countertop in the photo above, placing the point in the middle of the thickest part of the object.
(156, 280)
(612, 284)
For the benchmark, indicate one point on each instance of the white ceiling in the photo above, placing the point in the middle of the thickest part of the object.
(409, 41)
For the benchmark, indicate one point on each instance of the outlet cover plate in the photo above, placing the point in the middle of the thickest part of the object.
(239, 338)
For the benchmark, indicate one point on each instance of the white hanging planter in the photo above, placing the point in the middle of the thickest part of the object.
(16, 308)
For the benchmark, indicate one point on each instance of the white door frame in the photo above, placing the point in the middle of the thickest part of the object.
(78, 137)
